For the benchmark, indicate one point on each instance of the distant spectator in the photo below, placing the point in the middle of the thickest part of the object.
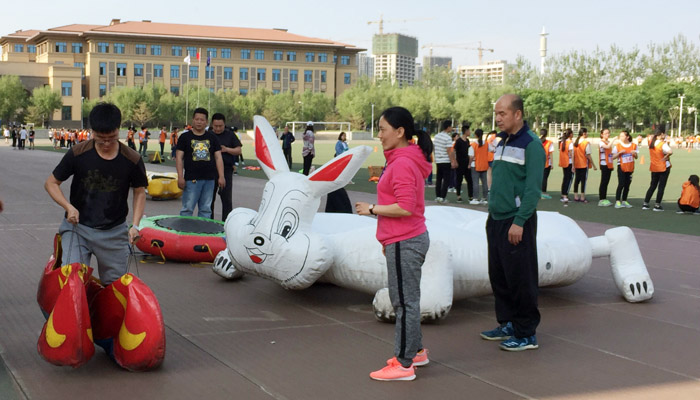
(690, 196)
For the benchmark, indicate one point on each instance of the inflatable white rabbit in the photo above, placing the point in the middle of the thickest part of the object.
(289, 242)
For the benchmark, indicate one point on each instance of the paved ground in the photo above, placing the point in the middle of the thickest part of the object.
(251, 339)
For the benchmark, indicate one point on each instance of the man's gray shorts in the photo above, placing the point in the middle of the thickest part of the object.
(109, 246)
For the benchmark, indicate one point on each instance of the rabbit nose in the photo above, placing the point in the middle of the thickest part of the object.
(259, 241)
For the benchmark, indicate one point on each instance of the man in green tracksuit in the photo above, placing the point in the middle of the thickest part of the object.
(511, 228)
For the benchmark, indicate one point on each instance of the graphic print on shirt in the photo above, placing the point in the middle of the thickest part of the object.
(200, 150)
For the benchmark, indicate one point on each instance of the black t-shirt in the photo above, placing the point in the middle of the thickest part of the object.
(462, 152)
(100, 188)
(199, 161)
(229, 139)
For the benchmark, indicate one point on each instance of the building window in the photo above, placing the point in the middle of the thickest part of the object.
(156, 50)
(140, 49)
(175, 90)
(103, 47)
(243, 74)
(211, 52)
(174, 71)
(176, 51)
(245, 54)
(323, 76)
(103, 90)
(345, 60)
(66, 113)
(308, 76)
(194, 72)
(275, 91)
(192, 51)
(82, 68)
(291, 56)
(225, 53)
(293, 75)
(310, 57)
(158, 70)
(276, 75)
(259, 54)
(31, 48)
(278, 55)
(138, 69)
(61, 47)
(103, 68)
(66, 88)
(346, 78)
(323, 57)
(209, 72)
(77, 47)
(121, 69)
(243, 92)
(261, 74)
(335, 59)
(228, 73)
(19, 48)
(119, 48)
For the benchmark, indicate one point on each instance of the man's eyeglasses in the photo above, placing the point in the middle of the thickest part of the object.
(106, 141)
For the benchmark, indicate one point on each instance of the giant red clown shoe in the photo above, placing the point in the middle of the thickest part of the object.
(66, 338)
(128, 324)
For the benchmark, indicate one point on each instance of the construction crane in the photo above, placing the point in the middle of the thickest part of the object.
(382, 21)
(480, 49)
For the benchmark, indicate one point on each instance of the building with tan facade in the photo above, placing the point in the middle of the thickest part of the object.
(91, 60)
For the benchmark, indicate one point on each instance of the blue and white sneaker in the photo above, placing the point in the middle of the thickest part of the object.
(519, 344)
(502, 332)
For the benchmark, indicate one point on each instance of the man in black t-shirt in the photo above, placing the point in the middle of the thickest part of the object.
(199, 166)
(103, 171)
(461, 150)
(230, 147)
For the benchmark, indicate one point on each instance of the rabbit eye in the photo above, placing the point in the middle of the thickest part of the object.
(288, 223)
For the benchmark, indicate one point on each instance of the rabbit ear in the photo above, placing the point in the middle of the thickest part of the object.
(267, 148)
(337, 172)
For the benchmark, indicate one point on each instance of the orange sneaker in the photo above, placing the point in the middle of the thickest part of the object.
(394, 371)
(419, 360)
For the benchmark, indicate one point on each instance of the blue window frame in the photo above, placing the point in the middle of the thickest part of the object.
(19, 48)
(103, 68)
(308, 75)
(175, 90)
(243, 92)
(140, 49)
(323, 76)
(259, 54)
(275, 91)
(243, 74)
(176, 51)
(345, 60)
(119, 48)
(261, 74)
(138, 69)
(103, 90)
(209, 72)
(80, 65)
(346, 78)
(76, 47)
(156, 50)
(121, 69)
(61, 47)
(194, 72)
(310, 57)
(293, 75)
(323, 57)
(228, 73)
(66, 88)
(278, 55)
(192, 51)
(291, 56)
(276, 75)
(225, 53)
(245, 54)
(31, 48)
(103, 47)
(158, 70)
(212, 51)
(174, 71)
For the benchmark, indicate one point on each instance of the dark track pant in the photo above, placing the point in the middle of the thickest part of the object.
(443, 179)
(685, 207)
(307, 164)
(288, 156)
(463, 171)
(580, 178)
(566, 181)
(545, 177)
(404, 262)
(226, 194)
(513, 275)
(624, 179)
(605, 173)
(657, 179)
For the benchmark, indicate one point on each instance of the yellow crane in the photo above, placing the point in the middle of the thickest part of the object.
(382, 21)
(480, 49)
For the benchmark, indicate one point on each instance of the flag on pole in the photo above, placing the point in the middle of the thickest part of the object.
(187, 59)
(198, 55)
(208, 60)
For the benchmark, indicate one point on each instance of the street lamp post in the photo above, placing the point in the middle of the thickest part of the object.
(372, 121)
(82, 99)
(680, 116)
(493, 120)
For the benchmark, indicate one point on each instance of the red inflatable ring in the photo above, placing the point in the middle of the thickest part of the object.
(178, 238)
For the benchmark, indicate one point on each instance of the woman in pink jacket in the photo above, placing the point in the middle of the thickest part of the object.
(402, 232)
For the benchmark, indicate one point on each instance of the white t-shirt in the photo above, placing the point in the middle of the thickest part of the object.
(23, 134)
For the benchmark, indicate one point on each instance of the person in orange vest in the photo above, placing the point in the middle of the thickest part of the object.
(173, 143)
(582, 162)
(161, 140)
(491, 141)
(130, 139)
(690, 196)
(548, 151)
(566, 159)
(479, 161)
(143, 141)
(606, 167)
(625, 151)
(659, 165)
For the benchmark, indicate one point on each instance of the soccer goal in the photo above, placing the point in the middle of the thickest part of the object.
(319, 125)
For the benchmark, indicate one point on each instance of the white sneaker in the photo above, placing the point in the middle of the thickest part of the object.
(474, 202)
(483, 202)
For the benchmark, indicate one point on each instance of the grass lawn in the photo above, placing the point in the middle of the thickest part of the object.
(684, 164)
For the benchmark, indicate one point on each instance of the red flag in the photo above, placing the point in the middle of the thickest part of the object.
(197, 55)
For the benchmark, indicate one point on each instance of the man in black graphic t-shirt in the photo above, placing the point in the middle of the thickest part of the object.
(198, 162)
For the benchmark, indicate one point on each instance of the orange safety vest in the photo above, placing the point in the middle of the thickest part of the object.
(547, 144)
(656, 156)
(564, 160)
(606, 155)
(580, 159)
(481, 158)
(173, 138)
(130, 136)
(690, 195)
(162, 137)
(626, 156)
(490, 140)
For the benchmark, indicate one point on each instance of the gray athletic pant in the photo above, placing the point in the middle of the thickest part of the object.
(404, 261)
(109, 246)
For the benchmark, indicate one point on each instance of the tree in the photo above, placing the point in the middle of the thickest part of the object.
(13, 97)
(44, 102)
(142, 114)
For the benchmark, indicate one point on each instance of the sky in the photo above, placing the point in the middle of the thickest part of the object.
(509, 27)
